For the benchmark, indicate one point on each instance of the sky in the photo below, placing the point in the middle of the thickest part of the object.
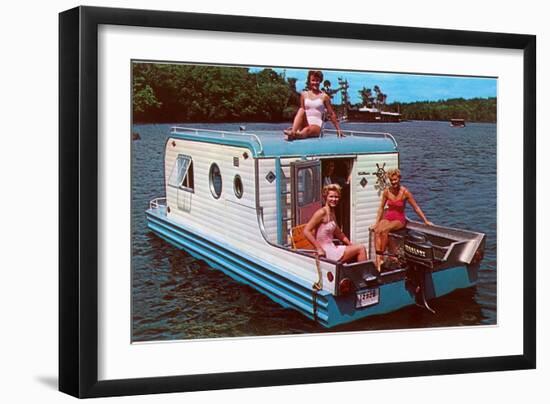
(402, 87)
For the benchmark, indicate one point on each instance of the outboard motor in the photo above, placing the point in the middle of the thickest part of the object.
(419, 257)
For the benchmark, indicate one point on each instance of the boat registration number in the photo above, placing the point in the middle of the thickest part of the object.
(367, 297)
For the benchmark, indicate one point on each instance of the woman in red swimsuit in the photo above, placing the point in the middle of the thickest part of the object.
(394, 217)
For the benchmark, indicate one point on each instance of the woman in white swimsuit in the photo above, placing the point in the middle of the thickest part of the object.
(309, 118)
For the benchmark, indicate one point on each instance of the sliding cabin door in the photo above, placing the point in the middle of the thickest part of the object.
(305, 190)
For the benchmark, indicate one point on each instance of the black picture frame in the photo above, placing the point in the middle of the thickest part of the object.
(78, 196)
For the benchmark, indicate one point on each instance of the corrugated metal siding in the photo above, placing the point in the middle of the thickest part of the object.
(231, 220)
(203, 156)
(366, 200)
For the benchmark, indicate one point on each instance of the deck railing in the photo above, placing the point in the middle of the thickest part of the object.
(157, 203)
(256, 140)
(216, 134)
(384, 135)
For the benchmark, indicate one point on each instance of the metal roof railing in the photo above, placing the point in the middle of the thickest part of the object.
(219, 134)
(157, 203)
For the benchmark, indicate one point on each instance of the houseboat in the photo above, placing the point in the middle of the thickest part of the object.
(457, 123)
(237, 199)
(365, 114)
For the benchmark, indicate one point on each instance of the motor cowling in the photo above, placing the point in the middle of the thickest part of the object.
(419, 258)
(418, 249)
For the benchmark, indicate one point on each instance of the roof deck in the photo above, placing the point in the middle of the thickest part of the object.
(266, 144)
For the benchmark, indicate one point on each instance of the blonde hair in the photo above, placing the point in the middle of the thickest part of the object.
(331, 187)
(393, 171)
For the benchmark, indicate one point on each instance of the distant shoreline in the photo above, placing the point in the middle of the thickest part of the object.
(193, 93)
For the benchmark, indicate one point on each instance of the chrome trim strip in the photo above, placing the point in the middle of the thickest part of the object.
(219, 133)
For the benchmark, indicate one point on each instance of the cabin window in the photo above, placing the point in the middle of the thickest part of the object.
(215, 180)
(182, 173)
(238, 186)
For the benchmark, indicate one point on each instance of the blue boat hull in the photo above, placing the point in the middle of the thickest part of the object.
(292, 292)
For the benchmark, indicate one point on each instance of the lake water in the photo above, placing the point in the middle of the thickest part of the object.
(451, 172)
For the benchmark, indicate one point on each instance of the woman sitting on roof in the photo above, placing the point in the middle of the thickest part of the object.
(322, 229)
(313, 103)
(394, 217)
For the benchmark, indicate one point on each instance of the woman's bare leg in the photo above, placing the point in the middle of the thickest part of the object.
(308, 131)
(354, 251)
(379, 243)
(301, 128)
(300, 121)
(382, 236)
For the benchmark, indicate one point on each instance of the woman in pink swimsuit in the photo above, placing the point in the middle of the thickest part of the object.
(313, 103)
(394, 217)
(322, 229)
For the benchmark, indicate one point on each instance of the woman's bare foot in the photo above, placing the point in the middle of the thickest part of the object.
(379, 263)
(289, 134)
(393, 260)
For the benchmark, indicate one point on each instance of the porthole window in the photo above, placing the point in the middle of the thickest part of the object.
(215, 180)
(238, 186)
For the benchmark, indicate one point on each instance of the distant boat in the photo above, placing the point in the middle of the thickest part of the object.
(365, 114)
(457, 123)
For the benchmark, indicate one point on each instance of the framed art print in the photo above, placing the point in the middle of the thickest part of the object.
(251, 201)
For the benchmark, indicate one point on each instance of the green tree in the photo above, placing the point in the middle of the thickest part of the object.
(143, 96)
(473, 110)
(190, 93)
(366, 97)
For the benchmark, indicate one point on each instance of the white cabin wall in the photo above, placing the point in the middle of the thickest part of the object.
(232, 221)
(204, 208)
(366, 200)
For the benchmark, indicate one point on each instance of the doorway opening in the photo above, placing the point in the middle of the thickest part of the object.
(338, 171)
